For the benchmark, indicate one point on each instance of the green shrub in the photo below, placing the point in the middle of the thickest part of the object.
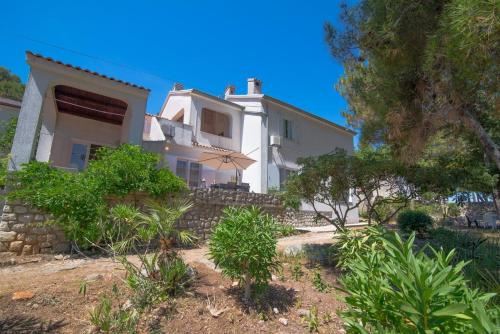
(243, 244)
(399, 291)
(156, 279)
(349, 243)
(109, 320)
(77, 200)
(413, 220)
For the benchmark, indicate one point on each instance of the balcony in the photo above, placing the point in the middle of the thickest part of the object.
(179, 133)
(209, 139)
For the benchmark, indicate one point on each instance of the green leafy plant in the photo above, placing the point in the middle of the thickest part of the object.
(297, 272)
(78, 201)
(349, 243)
(109, 320)
(414, 220)
(318, 282)
(162, 274)
(243, 245)
(286, 230)
(156, 280)
(312, 320)
(397, 290)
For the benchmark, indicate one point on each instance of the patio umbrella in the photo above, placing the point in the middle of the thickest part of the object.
(225, 160)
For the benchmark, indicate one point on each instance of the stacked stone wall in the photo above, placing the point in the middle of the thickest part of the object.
(25, 230)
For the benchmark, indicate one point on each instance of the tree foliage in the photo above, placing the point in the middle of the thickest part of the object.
(342, 182)
(10, 85)
(414, 68)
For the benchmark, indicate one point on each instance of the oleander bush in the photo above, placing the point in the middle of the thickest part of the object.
(397, 290)
(78, 200)
(414, 221)
(243, 245)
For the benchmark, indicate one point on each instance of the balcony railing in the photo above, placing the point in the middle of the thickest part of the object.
(179, 133)
(209, 139)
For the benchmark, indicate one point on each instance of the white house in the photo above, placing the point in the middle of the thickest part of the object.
(267, 130)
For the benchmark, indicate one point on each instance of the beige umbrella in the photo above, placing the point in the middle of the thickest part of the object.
(225, 160)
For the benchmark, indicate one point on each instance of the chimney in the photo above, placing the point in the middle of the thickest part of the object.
(230, 89)
(178, 86)
(254, 86)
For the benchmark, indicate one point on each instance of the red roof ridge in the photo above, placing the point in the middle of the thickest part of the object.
(78, 68)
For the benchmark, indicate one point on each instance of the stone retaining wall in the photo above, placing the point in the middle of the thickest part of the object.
(23, 230)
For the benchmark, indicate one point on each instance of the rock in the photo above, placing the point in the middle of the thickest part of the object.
(39, 218)
(27, 249)
(16, 246)
(127, 304)
(303, 312)
(59, 257)
(283, 321)
(20, 209)
(4, 226)
(9, 216)
(235, 284)
(7, 209)
(275, 310)
(25, 218)
(35, 305)
(94, 277)
(8, 236)
(274, 278)
(18, 227)
(22, 295)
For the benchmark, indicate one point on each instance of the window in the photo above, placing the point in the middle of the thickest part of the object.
(182, 169)
(216, 123)
(287, 129)
(284, 174)
(81, 154)
(190, 172)
(78, 156)
(194, 174)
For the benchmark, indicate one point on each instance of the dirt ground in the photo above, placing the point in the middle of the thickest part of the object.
(57, 306)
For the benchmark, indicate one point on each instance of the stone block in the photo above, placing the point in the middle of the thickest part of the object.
(7, 209)
(39, 230)
(30, 239)
(4, 226)
(61, 247)
(27, 250)
(21, 236)
(8, 236)
(16, 246)
(45, 245)
(25, 218)
(39, 218)
(4, 247)
(18, 227)
(51, 237)
(9, 216)
(20, 209)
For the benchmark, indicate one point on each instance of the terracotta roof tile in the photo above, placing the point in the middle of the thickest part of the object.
(78, 68)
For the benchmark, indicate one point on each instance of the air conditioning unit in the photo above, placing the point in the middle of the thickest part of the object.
(168, 130)
(275, 141)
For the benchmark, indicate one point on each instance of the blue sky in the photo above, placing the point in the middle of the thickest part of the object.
(202, 44)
